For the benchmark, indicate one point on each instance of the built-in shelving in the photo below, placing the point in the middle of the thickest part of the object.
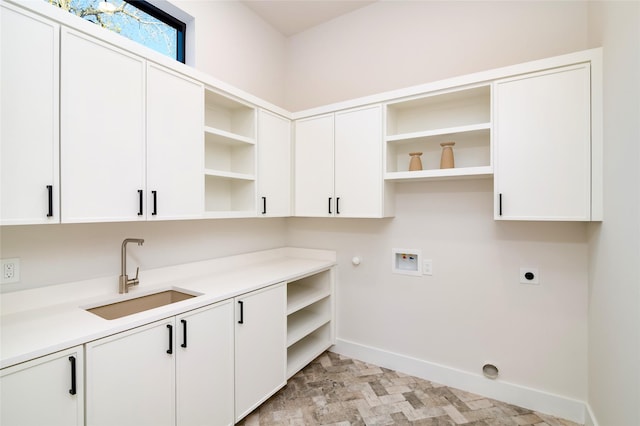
(229, 156)
(421, 124)
(310, 315)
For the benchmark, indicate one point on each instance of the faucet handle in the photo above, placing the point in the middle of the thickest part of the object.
(137, 270)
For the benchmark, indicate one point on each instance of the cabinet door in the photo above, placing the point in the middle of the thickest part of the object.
(358, 163)
(130, 377)
(175, 116)
(29, 121)
(102, 131)
(46, 391)
(314, 167)
(542, 139)
(260, 344)
(274, 165)
(204, 378)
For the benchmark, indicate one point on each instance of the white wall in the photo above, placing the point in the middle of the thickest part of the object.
(53, 254)
(472, 310)
(236, 46)
(614, 267)
(394, 44)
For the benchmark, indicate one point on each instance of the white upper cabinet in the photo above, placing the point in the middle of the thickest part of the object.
(274, 165)
(175, 116)
(359, 190)
(543, 145)
(338, 165)
(314, 167)
(29, 63)
(102, 146)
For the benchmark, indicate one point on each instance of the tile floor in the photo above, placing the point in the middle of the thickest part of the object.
(339, 391)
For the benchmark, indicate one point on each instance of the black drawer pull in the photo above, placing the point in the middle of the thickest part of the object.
(264, 205)
(499, 204)
(170, 328)
(155, 203)
(338, 205)
(140, 202)
(330, 205)
(241, 303)
(73, 389)
(50, 196)
(184, 333)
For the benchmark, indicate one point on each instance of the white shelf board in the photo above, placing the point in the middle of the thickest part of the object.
(228, 175)
(225, 214)
(463, 172)
(300, 295)
(303, 323)
(222, 136)
(406, 137)
(305, 351)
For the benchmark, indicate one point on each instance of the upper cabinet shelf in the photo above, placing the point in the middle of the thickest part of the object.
(227, 117)
(223, 137)
(229, 156)
(421, 124)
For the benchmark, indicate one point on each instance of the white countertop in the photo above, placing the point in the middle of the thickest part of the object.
(44, 320)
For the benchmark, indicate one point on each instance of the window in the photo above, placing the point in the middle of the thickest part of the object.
(137, 20)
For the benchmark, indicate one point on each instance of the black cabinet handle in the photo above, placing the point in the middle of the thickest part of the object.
(140, 202)
(241, 303)
(170, 328)
(264, 205)
(50, 195)
(330, 205)
(184, 333)
(499, 204)
(338, 205)
(155, 203)
(72, 360)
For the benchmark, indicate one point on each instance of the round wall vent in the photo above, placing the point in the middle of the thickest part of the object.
(490, 371)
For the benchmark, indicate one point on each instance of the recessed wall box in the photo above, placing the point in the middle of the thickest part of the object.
(406, 261)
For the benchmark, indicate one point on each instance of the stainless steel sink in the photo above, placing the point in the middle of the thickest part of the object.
(139, 304)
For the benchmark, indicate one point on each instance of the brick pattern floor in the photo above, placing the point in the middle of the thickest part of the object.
(339, 391)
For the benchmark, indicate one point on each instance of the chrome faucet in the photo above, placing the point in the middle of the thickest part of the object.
(125, 282)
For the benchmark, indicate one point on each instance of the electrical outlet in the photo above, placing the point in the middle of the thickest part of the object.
(529, 276)
(10, 271)
(427, 267)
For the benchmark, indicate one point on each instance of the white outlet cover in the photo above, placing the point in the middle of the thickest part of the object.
(16, 271)
(427, 267)
(536, 276)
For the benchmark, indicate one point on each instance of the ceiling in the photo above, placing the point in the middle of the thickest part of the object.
(293, 16)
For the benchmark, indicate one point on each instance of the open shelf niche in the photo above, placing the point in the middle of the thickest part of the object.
(230, 156)
(420, 124)
(310, 313)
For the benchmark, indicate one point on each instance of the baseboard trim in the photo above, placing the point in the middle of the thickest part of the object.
(589, 417)
(544, 402)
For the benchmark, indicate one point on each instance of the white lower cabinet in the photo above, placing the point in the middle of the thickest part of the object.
(173, 371)
(204, 367)
(260, 342)
(44, 391)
